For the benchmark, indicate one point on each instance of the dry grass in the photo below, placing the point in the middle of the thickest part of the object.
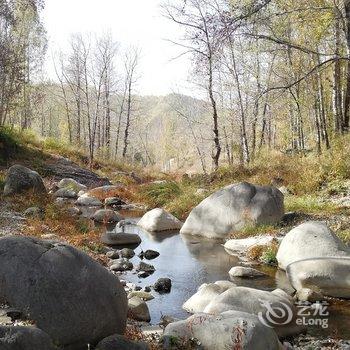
(264, 253)
(134, 333)
(56, 220)
(121, 192)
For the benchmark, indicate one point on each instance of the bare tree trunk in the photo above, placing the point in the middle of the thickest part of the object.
(127, 122)
(121, 111)
(244, 138)
(337, 98)
(346, 121)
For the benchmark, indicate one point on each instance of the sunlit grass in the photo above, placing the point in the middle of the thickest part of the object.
(344, 235)
(310, 204)
(264, 253)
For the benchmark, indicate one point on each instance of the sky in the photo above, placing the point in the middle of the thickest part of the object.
(131, 22)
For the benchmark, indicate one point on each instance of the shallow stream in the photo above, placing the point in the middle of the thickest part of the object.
(190, 261)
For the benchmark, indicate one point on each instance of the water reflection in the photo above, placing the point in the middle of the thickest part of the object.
(190, 261)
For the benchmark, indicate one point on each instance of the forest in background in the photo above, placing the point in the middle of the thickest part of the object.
(276, 76)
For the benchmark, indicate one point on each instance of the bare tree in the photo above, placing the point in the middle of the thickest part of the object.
(198, 20)
(130, 65)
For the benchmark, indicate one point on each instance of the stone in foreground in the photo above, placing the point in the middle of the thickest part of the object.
(119, 342)
(230, 330)
(312, 239)
(215, 299)
(233, 208)
(24, 338)
(326, 276)
(138, 310)
(159, 220)
(257, 301)
(70, 296)
(20, 179)
(245, 272)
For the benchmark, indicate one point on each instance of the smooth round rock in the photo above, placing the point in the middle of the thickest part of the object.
(119, 342)
(159, 220)
(245, 272)
(61, 288)
(121, 264)
(112, 254)
(20, 179)
(65, 193)
(35, 212)
(234, 207)
(106, 216)
(150, 254)
(230, 330)
(138, 310)
(120, 239)
(24, 338)
(163, 285)
(312, 239)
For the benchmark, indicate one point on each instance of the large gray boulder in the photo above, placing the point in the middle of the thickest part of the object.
(20, 179)
(205, 294)
(328, 276)
(69, 295)
(234, 207)
(230, 330)
(254, 301)
(159, 220)
(312, 239)
(24, 338)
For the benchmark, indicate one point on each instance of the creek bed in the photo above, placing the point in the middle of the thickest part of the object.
(191, 261)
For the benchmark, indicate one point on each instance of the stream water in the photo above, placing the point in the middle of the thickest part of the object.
(190, 261)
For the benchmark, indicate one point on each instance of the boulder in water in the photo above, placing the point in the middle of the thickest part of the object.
(312, 239)
(138, 310)
(206, 292)
(159, 220)
(255, 301)
(233, 208)
(245, 272)
(326, 276)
